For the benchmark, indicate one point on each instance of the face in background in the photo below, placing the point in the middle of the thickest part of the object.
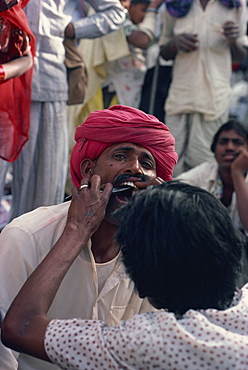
(125, 3)
(122, 164)
(137, 12)
(228, 147)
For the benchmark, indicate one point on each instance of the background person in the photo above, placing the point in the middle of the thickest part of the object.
(125, 76)
(40, 171)
(97, 286)
(203, 38)
(115, 65)
(17, 49)
(181, 250)
(226, 177)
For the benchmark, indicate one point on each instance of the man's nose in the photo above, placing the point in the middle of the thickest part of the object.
(134, 167)
(230, 145)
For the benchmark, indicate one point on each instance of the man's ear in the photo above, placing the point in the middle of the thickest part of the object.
(86, 168)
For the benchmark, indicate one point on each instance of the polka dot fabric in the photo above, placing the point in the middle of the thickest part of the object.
(207, 339)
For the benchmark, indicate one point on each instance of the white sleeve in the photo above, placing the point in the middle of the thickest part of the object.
(168, 23)
(109, 16)
(17, 261)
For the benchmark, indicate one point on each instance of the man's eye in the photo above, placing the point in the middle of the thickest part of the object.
(223, 142)
(119, 156)
(147, 164)
(238, 142)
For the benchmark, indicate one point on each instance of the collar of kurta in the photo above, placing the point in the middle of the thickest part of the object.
(180, 8)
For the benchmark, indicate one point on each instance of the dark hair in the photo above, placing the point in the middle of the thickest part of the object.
(136, 2)
(233, 124)
(180, 248)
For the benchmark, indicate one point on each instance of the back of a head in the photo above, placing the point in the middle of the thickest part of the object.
(180, 248)
(136, 2)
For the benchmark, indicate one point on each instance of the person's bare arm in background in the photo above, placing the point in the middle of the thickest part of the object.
(143, 36)
(231, 33)
(239, 169)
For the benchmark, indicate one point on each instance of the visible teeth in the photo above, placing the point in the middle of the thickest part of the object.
(128, 183)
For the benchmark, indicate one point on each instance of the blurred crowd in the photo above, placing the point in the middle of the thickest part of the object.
(167, 77)
(165, 57)
(145, 50)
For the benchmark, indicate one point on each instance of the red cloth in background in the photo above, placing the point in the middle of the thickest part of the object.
(15, 95)
(123, 124)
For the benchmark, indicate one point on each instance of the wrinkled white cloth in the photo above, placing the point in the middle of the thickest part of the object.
(48, 20)
(25, 242)
(201, 79)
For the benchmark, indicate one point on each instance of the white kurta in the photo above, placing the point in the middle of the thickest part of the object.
(25, 242)
(201, 79)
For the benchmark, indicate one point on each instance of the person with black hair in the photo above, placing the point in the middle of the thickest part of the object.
(182, 251)
(226, 177)
(203, 38)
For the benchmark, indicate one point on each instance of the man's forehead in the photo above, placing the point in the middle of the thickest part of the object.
(230, 134)
(127, 146)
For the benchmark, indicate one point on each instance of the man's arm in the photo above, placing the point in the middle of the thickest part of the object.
(170, 43)
(238, 169)
(25, 323)
(145, 32)
(185, 42)
(109, 16)
(18, 66)
(18, 44)
(231, 32)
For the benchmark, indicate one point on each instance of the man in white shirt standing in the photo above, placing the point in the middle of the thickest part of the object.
(203, 37)
(226, 177)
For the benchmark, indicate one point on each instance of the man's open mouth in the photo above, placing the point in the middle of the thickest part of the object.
(124, 191)
(126, 185)
(230, 156)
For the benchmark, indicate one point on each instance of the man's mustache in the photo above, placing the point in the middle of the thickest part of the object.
(231, 152)
(124, 177)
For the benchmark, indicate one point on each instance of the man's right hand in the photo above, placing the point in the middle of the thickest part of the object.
(185, 42)
(88, 205)
(240, 164)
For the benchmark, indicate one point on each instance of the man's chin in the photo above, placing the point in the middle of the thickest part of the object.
(112, 220)
(111, 216)
(113, 210)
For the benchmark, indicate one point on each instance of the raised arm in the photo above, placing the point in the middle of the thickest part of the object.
(16, 67)
(145, 32)
(239, 170)
(25, 323)
(16, 58)
(108, 17)
(231, 32)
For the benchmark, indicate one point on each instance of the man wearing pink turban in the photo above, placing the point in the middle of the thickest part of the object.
(123, 124)
(118, 151)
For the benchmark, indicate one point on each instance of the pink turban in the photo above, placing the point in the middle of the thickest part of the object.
(119, 124)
